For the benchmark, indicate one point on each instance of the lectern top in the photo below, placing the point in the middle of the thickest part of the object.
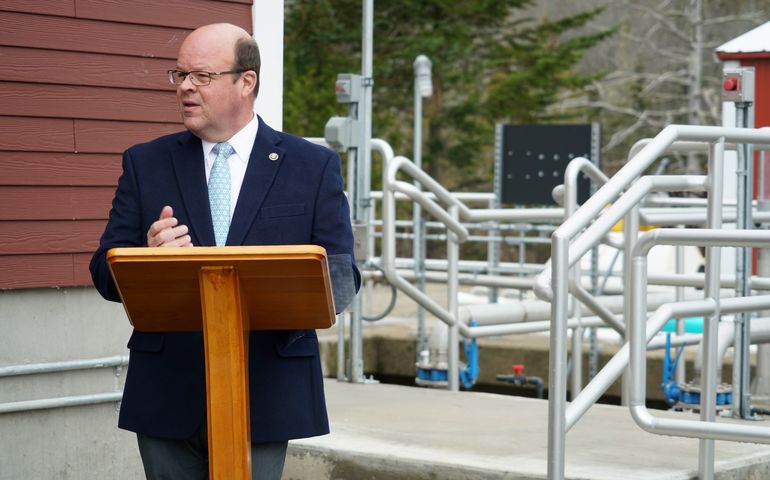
(281, 286)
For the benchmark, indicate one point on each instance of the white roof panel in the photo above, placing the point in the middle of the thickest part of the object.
(753, 41)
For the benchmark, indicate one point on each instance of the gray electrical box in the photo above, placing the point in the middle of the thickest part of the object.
(348, 88)
(341, 133)
(738, 85)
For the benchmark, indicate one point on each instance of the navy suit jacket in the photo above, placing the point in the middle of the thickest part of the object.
(296, 199)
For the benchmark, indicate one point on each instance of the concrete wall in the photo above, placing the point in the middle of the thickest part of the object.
(51, 325)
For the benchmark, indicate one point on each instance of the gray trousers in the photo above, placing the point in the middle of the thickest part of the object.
(165, 459)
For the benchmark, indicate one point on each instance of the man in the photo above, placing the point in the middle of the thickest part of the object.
(229, 179)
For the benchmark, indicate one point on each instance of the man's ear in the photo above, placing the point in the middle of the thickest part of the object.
(250, 82)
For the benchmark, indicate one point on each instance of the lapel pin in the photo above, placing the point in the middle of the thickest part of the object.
(273, 156)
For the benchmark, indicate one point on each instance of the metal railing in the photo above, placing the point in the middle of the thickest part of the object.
(593, 221)
(117, 362)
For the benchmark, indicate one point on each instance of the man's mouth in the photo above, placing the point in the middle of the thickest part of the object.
(189, 105)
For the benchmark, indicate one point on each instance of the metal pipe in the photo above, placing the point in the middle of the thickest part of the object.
(497, 330)
(698, 280)
(630, 199)
(706, 430)
(390, 165)
(686, 428)
(341, 347)
(679, 293)
(615, 366)
(630, 236)
(577, 357)
(60, 402)
(706, 447)
(571, 173)
(453, 255)
(644, 158)
(744, 177)
(573, 225)
(361, 203)
(422, 88)
(619, 361)
(760, 332)
(597, 308)
(65, 366)
(557, 356)
(432, 206)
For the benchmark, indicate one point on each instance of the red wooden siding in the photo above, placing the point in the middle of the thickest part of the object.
(82, 80)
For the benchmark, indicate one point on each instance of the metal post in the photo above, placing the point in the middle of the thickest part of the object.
(361, 201)
(679, 295)
(630, 234)
(711, 322)
(493, 248)
(341, 347)
(423, 87)
(576, 376)
(577, 357)
(557, 375)
(493, 254)
(741, 362)
(760, 388)
(453, 258)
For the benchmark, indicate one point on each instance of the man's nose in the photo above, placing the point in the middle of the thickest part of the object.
(187, 84)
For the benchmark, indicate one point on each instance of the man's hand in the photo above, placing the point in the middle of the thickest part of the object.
(166, 233)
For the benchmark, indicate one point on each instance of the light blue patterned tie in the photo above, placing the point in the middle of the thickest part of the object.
(219, 192)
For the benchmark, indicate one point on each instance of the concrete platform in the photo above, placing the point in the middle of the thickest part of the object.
(395, 432)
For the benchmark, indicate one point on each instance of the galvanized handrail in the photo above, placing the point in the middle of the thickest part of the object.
(568, 245)
(706, 428)
(117, 361)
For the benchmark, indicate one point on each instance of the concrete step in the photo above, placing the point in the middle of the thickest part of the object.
(394, 432)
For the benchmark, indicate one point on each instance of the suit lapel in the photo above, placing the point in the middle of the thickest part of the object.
(191, 176)
(264, 162)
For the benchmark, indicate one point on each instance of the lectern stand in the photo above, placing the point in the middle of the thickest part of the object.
(225, 292)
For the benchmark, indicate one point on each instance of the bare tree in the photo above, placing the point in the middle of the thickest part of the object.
(661, 68)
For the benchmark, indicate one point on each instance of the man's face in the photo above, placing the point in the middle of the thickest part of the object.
(213, 112)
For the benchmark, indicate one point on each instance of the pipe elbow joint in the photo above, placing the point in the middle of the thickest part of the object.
(542, 283)
(642, 417)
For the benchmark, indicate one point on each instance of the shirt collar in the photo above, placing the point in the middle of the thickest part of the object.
(242, 142)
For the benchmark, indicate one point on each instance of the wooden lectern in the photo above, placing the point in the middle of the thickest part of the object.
(225, 292)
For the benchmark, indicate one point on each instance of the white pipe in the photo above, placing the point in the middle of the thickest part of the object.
(760, 333)
(535, 310)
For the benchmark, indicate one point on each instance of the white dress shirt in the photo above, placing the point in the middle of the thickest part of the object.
(242, 142)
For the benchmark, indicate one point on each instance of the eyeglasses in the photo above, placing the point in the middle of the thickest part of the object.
(198, 78)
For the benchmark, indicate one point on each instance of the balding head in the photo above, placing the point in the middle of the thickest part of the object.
(215, 110)
(224, 36)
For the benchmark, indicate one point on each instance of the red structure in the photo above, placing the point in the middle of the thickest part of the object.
(81, 81)
(752, 49)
